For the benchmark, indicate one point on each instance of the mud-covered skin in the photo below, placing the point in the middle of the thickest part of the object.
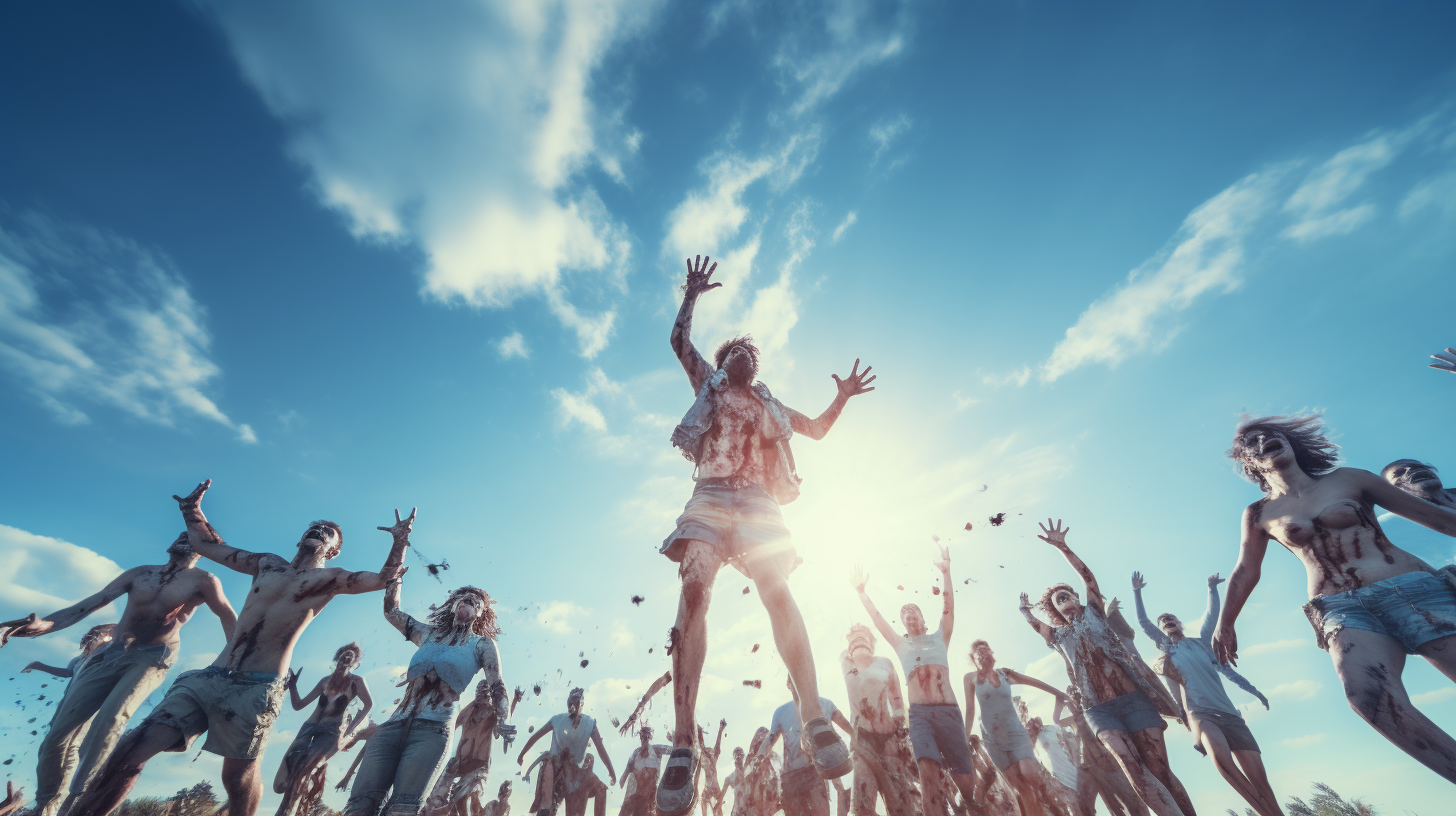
(885, 769)
(1025, 775)
(712, 791)
(303, 781)
(1420, 480)
(924, 684)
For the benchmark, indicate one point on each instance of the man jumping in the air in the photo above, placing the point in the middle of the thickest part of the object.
(737, 435)
(237, 699)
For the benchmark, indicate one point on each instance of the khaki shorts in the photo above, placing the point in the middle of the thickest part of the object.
(743, 525)
(236, 709)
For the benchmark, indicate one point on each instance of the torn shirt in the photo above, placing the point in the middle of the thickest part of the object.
(1079, 641)
(782, 479)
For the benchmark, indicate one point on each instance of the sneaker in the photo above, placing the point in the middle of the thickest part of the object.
(829, 753)
(678, 790)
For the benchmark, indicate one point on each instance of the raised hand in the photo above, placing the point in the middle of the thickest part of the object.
(1137, 581)
(698, 275)
(1112, 606)
(944, 563)
(1054, 534)
(402, 527)
(192, 501)
(292, 681)
(1445, 360)
(1226, 645)
(856, 383)
(859, 577)
(17, 628)
(1025, 603)
(1214, 580)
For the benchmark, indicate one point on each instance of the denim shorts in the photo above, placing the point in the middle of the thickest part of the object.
(1130, 712)
(938, 732)
(1413, 609)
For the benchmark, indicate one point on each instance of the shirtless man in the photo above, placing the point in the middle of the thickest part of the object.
(321, 736)
(712, 791)
(1419, 479)
(937, 731)
(639, 776)
(1192, 672)
(569, 735)
(465, 773)
(883, 763)
(1124, 703)
(737, 435)
(1371, 603)
(160, 599)
(238, 697)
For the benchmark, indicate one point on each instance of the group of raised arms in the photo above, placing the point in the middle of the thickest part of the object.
(1370, 602)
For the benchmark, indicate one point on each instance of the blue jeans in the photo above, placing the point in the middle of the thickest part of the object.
(403, 754)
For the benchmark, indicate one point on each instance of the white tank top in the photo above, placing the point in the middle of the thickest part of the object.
(922, 650)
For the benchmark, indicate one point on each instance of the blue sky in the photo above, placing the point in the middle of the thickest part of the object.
(343, 258)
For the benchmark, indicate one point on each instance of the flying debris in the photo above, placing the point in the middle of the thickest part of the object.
(968, 525)
(998, 519)
(745, 590)
(754, 649)
(537, 689)
(935, 590)
(584, 662)
(616, 723)
(758, 684)
(984, 488)
(900, 587)
(432, 567)
(637, 600)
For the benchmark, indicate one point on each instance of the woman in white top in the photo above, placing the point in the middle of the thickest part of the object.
(937, 733)
(455, 642)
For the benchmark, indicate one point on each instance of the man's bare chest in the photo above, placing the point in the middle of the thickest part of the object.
(161, 590)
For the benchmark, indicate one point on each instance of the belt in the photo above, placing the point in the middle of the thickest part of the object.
(232, 674)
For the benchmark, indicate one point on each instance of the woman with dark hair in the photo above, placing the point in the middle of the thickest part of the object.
(1370, 602)
(455, 642)
(1123, 700)
(319, 738)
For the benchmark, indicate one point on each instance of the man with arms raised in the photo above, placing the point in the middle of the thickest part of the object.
(109, 687)
(737, 435)
(238, 697)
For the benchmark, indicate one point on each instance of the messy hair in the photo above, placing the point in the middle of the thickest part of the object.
(487, 625)
(1050, 608)
(978, 643)
(1313, 451)
(1429, 467)
(347, 647)
(744, 341)
(339, 545)
(104, 631)
(1165, 616)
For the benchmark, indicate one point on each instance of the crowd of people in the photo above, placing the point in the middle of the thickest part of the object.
(910, 744)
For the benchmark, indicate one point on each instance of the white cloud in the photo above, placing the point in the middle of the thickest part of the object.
(561, 617)
(1296, 690)
(464, 128)
(1018, 378)
(1438, 192)
(1203, 257)
(820, 61)
(42, 574)
(88, 318)
(1260, 649)
(844, 226)
(1439, 695)
(513, 347)
(884, 132)
(579, 406)
(1304, 741)
(1339, 222)
(1335, 180)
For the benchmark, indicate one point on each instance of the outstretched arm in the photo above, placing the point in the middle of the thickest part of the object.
(1153, 632)
(205, 540)
(858, 382)
(1042, 628)
(58, 671)
(697, 283)
(861, 579)
(1242, 682)
(1210, 615)
(300, 702)
(349, 774)
(413, 631)
(357, 583)
(602, 752)
(1025, 680)
(1064, 704)
(540, 732)
(718, 743)
(1241, 583)
(1378, 491)
(30, 626)
(657, 685)
(1056, 535)
(947, 593)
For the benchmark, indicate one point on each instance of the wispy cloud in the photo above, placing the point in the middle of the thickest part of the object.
(844, 226)
(885, 132)
(580, 406)
(561, 617)
(1274, 647)
(512, 347)
(41, 574)
(1439, 695)
(820, 59)
(464, 128)
(1295, 690)
(90, 319)
(1304, 741)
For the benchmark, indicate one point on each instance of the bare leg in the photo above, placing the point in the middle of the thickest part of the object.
(1441, 653)
(790, 637)
(1253, 765)
(243, 781)
(966, 783)
(1369, 666)
(295, 782)
(1154, 752)
(119, 775)
(1022, 778)
(1211, 737)
(1144, 782)
(931, 801)
(698, 569)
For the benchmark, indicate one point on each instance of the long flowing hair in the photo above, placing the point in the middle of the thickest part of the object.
(442, 617)
(1050, 609)
(1313, 451)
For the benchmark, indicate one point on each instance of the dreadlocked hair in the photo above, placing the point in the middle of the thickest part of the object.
(349, 647)
(487, 625)
(1050, 608)
(743, 340)
(1313, 451)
